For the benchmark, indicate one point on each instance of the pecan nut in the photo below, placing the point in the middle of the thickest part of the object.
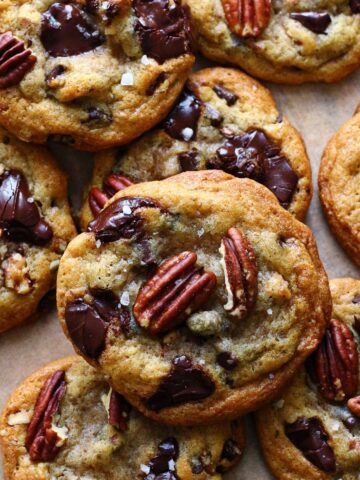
(240, 270)
(42, 442)
(247, 18)
(15, 60)
(113, 183)
(177, 289)
(354, 405)
(16, 274)
(335, 365)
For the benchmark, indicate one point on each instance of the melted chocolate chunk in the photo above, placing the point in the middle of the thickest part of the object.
(88, 323)
(252, 155)
(229, 97)
(309, 436)
(20, 218)
(355, 6)
(163, 29)
(67, 30)
(356, 299)
(189, 160)
(156, 84)
(161, 466)
(119, 220)
(227, 360)
(317, 22)
(119, 411)
(184, 383)
(183, 120)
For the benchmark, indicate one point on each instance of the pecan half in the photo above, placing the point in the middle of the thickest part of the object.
(240, 270)
(335, 365)
(354, 405)
(42, 442)
(15, 60)
(247, 18)
(16, 274)
(177, 289)
(113, 183)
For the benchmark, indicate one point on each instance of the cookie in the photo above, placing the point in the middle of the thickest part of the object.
(35, 227)
(224, 120)
(313, 430)
(339, 183)
(91, 73)
(284, 41)
(64, 421)
(198, 296)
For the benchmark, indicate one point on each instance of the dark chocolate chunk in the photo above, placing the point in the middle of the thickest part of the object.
(230, 453)
(309, 436)
(68, 30)
(119, 220)
(55, 72)
(214, 116)
(355, 6)
(253, 155)
(189, 160)
(119, 411)
(98, 117)
(20, 218)
(196, 466)
(163, 29)
(229, 97)
(317, 22)
(163, 466)
(184, 383)
(156, 84)
(350, 422)
(356, 299)
(183, 120)
(88, 323)
(227, 360)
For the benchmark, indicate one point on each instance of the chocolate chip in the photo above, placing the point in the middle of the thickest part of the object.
(20, 218)
(189, 160)
(230, 453)
(119, 411)
(356, 299)
(160, 466)
(88, 323)
(253, 155)
(98, 117)
(164, 30)
(156, 84)
(119, 220)
(55, 72)
(183, 120)
(68, 30)
(196, 466)
(227, 360)
(229, 97)
(309, 436)
(184, 383)
(214, 116)
(317, 22)
(355, 6)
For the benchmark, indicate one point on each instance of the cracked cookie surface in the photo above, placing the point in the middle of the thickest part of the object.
(35, 226)
(298, 41)
(224, 120)
(198, 295)
(99, 436)
(313, 430)
(90, 74)
(339, 182)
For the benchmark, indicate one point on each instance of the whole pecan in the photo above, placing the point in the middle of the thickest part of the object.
(247, 18)
(354, 405)
(15, 60)
(113, 183)
(42, 442)
(176, 290)
(335, 365)
(240, 269)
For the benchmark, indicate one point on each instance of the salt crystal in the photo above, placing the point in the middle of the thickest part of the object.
(145, 468)
(271, 376)
(98, 243)
(269, 311)
(171, 464)
(30, 200)
(125, 299)
(127, 79)
(145, 60)
(127, 210)
(187, 133)
(335, 426)
(200, 232)
(201, 362)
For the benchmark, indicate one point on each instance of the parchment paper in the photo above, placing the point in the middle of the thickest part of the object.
(317, 111)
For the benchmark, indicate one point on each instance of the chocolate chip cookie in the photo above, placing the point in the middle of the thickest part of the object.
(35, 227)
(198, 296)
(339, 183)
(65, 422)
(313, 430)
(282, 41)
(91, 73)
(223, 120)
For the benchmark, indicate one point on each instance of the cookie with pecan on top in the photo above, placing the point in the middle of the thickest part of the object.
(281, 41)
(64, 421)
(91, 73)
(198, 296)
(35, 227)
(313, 430)
(224, 120)
(339, 184)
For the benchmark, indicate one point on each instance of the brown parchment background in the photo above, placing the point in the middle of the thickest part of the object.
(317, 111)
